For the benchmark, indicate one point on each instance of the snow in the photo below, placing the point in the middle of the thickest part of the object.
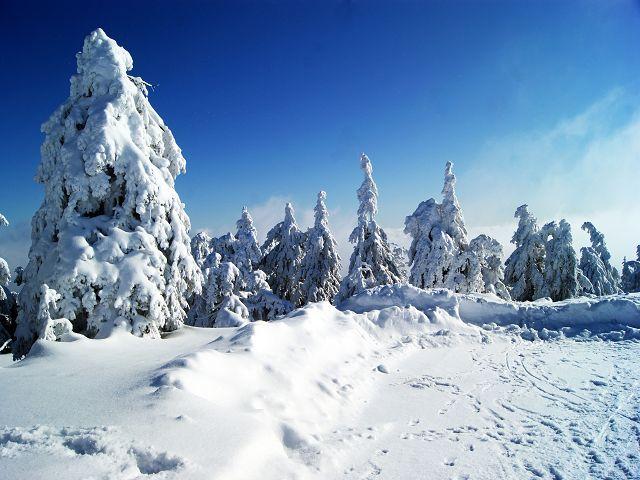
(397, 383)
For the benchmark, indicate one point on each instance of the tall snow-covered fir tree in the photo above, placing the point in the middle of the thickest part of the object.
(283, 251)
(631, 274)
(319, 273)
(441, 254)
(561, 272)
(247, 254)
(111, 236)
(595, 264)
(371, 262)
(524, 269)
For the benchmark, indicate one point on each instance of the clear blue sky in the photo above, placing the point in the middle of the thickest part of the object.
(277, 99)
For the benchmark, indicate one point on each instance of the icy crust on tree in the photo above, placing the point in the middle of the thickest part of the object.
(614, 317)
(111, 236)
(319, 273)
(595, 264)
(524, 269)
(283, 251)
(631, 274)
(372, 261)
(440, 253)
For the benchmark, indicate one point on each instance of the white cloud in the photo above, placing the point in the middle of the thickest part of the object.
(584, 168)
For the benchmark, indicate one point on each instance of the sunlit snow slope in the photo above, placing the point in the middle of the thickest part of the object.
(396, 385)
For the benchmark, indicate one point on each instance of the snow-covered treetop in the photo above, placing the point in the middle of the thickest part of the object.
(367, 193)
(321, 214)
(247, 251)
(597, 241)
(527, 225)
(289, 218)
(452, 220)
(3, 221)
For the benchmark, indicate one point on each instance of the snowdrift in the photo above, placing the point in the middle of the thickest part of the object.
(614, 317)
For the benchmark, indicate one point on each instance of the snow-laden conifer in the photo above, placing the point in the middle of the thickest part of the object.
(319, 273)
(561, 264)
(8, 303)
(524, 269)
(401, 259)
(201, 247)
(111, 236)
(283, 252)
(441, 255)
(488, 253)
(247, 254)
(631, 274)
(595, 263)
(371, 262)
(219, 305)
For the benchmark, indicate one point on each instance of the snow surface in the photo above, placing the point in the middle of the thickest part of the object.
(396, 387)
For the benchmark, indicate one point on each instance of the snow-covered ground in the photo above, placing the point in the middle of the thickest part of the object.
(406, 384)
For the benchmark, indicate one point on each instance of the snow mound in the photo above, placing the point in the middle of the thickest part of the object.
(300, 374)
(614, 317)
(100, 450)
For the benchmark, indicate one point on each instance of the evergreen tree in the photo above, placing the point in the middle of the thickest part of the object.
(371, 262)
(488, 253)
(631, 274)
(220, 304)
(111, 236)
(283, 253)
(595, 264)
(525, 266)
(561, 265)
(441, 255)
(201, 248)
(319, 273)
(247, 253)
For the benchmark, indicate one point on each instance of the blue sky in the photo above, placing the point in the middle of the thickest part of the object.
(535, 102)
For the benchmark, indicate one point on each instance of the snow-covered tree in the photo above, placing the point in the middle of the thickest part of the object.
(434, 251)
(265, 305)
(631, 274)
(561, 264)
(220, 304)
(440, 252)
(50, 328)
(524, 269)
(401, 259)
(283, 252)
(8, 301)
(201, 247)
(111, 236)
(371, 262)
(319, 273)
(488, 251)
(595, 264)
(225, 246)
(247, 254)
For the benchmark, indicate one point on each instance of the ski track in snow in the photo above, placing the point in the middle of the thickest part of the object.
(554, 410)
